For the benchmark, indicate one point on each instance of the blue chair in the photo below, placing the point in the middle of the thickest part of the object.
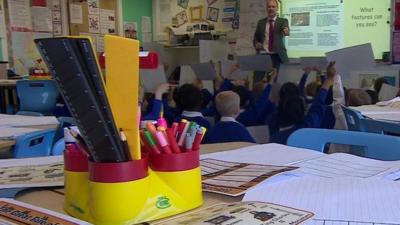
(353, 119)
(36, 97)
(377, 146)
(34, 144)
(58, 147)
(381, 127)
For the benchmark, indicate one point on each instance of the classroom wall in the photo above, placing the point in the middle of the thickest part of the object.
(133, 10)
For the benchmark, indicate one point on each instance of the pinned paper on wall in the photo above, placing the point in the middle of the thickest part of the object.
(75, 13)
(146, 24)
(20, 15)
(130, 29)
(42, 19)
(107, 21)
(93, 7)
(94, 24)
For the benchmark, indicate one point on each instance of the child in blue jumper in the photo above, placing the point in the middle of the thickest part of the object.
(190, 99)
(228, 129)
(291, 111)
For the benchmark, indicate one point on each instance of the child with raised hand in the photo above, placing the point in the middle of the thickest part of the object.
(291, 111)
(257, 112)
(228, 129)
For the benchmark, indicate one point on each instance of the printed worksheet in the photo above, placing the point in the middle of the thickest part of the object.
(232, 178)
(243, 213)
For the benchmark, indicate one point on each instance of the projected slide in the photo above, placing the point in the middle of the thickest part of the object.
(318, 26)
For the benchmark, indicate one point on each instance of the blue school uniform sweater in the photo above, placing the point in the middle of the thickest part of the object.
(313, 119)
(256, 114)
(228, 131)
(200, 120)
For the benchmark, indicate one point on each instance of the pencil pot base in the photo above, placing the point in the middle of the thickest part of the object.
(175, 185)
(76, 184)
(117, 191)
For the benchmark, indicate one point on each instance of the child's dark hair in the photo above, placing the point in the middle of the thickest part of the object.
(291, 110)
(289, 89)
(373, 95)
(243, 93)
(190, 98)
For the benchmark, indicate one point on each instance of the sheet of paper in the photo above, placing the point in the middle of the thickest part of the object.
(213, 50)
(204, 71)
(313, 61)
(14, 132)
(255, 63)
(187, 75)
(24, 121)
(226, 68)
(268, 154)
(42, 19)
(360, 57)
(234, 179)
(394, 101)
(388, 92)
(363, 200)
(9, 209)
(20, 14)
(339, 165)
(75, 13)
(379, 112)
(152, 78)
(146, 24)
(243, 213)
(40, 172)
(107, 21)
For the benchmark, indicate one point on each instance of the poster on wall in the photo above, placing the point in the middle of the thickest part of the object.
(42, 19)
(183, 3)
(20, 15)
(107, 21)
(212, 14)
(146, 24)
(75, 13)
(130, 29)
(93, 7)
(94, 24)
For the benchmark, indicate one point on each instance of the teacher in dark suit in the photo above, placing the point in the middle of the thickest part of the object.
(269, 36)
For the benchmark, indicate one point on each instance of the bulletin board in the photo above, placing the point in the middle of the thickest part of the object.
(93, 18)
(26, 21)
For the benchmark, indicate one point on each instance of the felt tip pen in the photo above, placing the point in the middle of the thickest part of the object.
(183, 134)
(163, 143)
(197, 141)
(189, 142)
(151, 142)
(162, 123)
(174, 128)
(152, 129)
(181, 127)
(172, 141)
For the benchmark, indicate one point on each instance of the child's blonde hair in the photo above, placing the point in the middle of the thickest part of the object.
(228, 103)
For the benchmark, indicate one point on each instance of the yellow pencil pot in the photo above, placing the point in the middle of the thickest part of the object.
(76, 183)
(117, 191)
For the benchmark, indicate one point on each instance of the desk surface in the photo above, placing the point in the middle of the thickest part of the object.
(53, 198)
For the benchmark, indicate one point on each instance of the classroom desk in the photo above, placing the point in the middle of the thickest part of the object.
(379, 112)
(8, 93)
(53, 198)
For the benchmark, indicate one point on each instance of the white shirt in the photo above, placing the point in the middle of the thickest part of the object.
(265, 44)
(192, 114)
(228, 119)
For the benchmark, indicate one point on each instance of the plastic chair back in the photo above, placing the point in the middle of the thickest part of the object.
(377, 146)
(58, 147)
(353, 119)
(37, 96)
(382, 127)
(34, 144)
